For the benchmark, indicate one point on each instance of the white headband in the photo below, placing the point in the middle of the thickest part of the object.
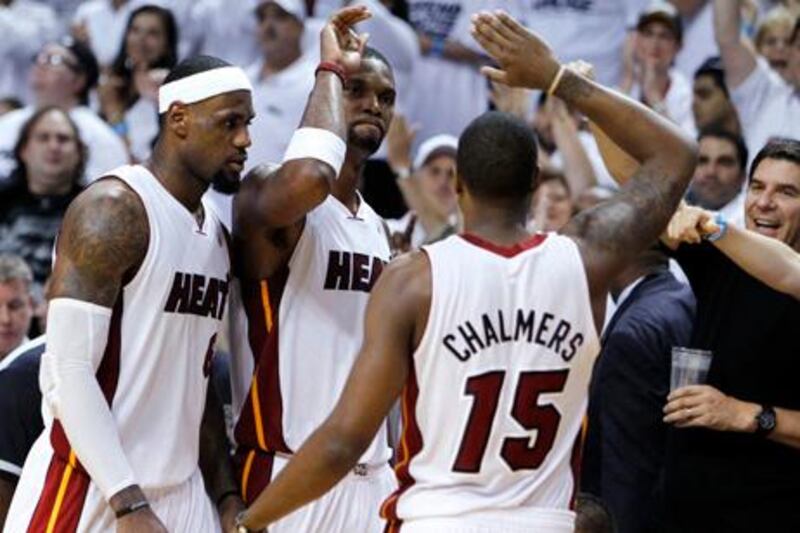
(203, 85)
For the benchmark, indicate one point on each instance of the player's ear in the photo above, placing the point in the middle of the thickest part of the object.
(178, 119)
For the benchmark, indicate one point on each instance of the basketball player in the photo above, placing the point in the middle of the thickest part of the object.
(305, 283)
(491, 335)
(138, 290)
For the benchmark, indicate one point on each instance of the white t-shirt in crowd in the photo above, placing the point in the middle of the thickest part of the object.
(25, 27)
(450, 94)
(106, 149)
(768, 107)
(589, 144)
(278, 101)
(591, 30)
(678, 101)
(142, 121)
(222, 29)
(698, 42)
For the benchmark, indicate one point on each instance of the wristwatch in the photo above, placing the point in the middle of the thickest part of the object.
(765, 420)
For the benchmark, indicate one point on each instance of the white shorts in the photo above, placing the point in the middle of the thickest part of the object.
(351, 506)
(82, 508)
(498, 521)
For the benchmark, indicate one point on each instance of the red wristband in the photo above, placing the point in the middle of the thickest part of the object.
(330, 66)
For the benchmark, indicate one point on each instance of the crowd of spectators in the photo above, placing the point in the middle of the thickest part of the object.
(78, 97)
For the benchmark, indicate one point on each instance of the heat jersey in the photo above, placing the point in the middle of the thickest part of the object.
(154, 371)
(305, 328)
(498, 385)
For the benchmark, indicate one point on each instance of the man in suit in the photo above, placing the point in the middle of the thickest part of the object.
(624, 450)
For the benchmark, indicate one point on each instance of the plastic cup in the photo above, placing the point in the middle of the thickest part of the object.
(689, 367)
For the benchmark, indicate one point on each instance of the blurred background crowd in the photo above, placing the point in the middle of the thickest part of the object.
(78, 90)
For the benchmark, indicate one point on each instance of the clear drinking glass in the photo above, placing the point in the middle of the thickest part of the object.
(689, 367)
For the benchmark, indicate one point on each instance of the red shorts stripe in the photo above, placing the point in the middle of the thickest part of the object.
(254, 471)
(61, 503)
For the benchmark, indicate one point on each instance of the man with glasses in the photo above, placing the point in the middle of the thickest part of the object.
(63, 73)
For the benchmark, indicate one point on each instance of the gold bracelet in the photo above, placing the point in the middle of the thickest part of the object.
(556, 80)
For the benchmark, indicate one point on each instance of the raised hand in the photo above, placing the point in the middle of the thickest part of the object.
(525, 59)
(690, 224)
(398, 144)
(513, 100)
(339, 43)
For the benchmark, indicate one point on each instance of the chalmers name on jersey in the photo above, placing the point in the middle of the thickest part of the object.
(497, 388)
(305, 328)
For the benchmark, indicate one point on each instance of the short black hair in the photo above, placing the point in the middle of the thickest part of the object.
(714, 68)
(497, 157)
(372, 53)
(195, 65)
(780, 149)
(734, 138)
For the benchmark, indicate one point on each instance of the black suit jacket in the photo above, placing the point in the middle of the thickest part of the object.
(624, 449)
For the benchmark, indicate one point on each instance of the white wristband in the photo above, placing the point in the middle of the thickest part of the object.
(317, 143)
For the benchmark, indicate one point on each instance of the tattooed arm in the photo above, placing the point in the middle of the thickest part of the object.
(612, 233)
(270, 210)
(103, 241)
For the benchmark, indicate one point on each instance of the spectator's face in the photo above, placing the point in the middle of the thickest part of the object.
(55, 77)
(16, 312)
(656, 45)
(438, 178)
(718, 177)
(774, 45)
(278, 31)
(710, 105)
(773, 201)
(146, 40)
(369, 99)
(51, 154)
(552, 205)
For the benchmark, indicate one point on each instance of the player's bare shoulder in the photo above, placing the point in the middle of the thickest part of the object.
(404, 290)
(104, 235)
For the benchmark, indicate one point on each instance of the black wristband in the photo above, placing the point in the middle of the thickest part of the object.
(132, 508)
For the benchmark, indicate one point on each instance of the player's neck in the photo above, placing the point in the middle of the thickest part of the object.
(187, 188)
(346, 185)
(496, 224)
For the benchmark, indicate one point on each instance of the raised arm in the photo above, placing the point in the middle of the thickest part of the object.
(270, 209)
(103, 240)
(397, 306)
(612, 233)
(768, 260)
(738, 56)
(285, 196)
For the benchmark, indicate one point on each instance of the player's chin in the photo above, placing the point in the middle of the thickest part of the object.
(226, 181)
(368, 142)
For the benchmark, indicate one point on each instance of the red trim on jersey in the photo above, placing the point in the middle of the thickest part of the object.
(410, 446)
(506, 251)
(61, 503)
(260, 425)
(66, 483)
(575, 466)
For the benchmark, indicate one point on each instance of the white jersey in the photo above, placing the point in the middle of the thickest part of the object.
(305, 328)
(499, 382)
